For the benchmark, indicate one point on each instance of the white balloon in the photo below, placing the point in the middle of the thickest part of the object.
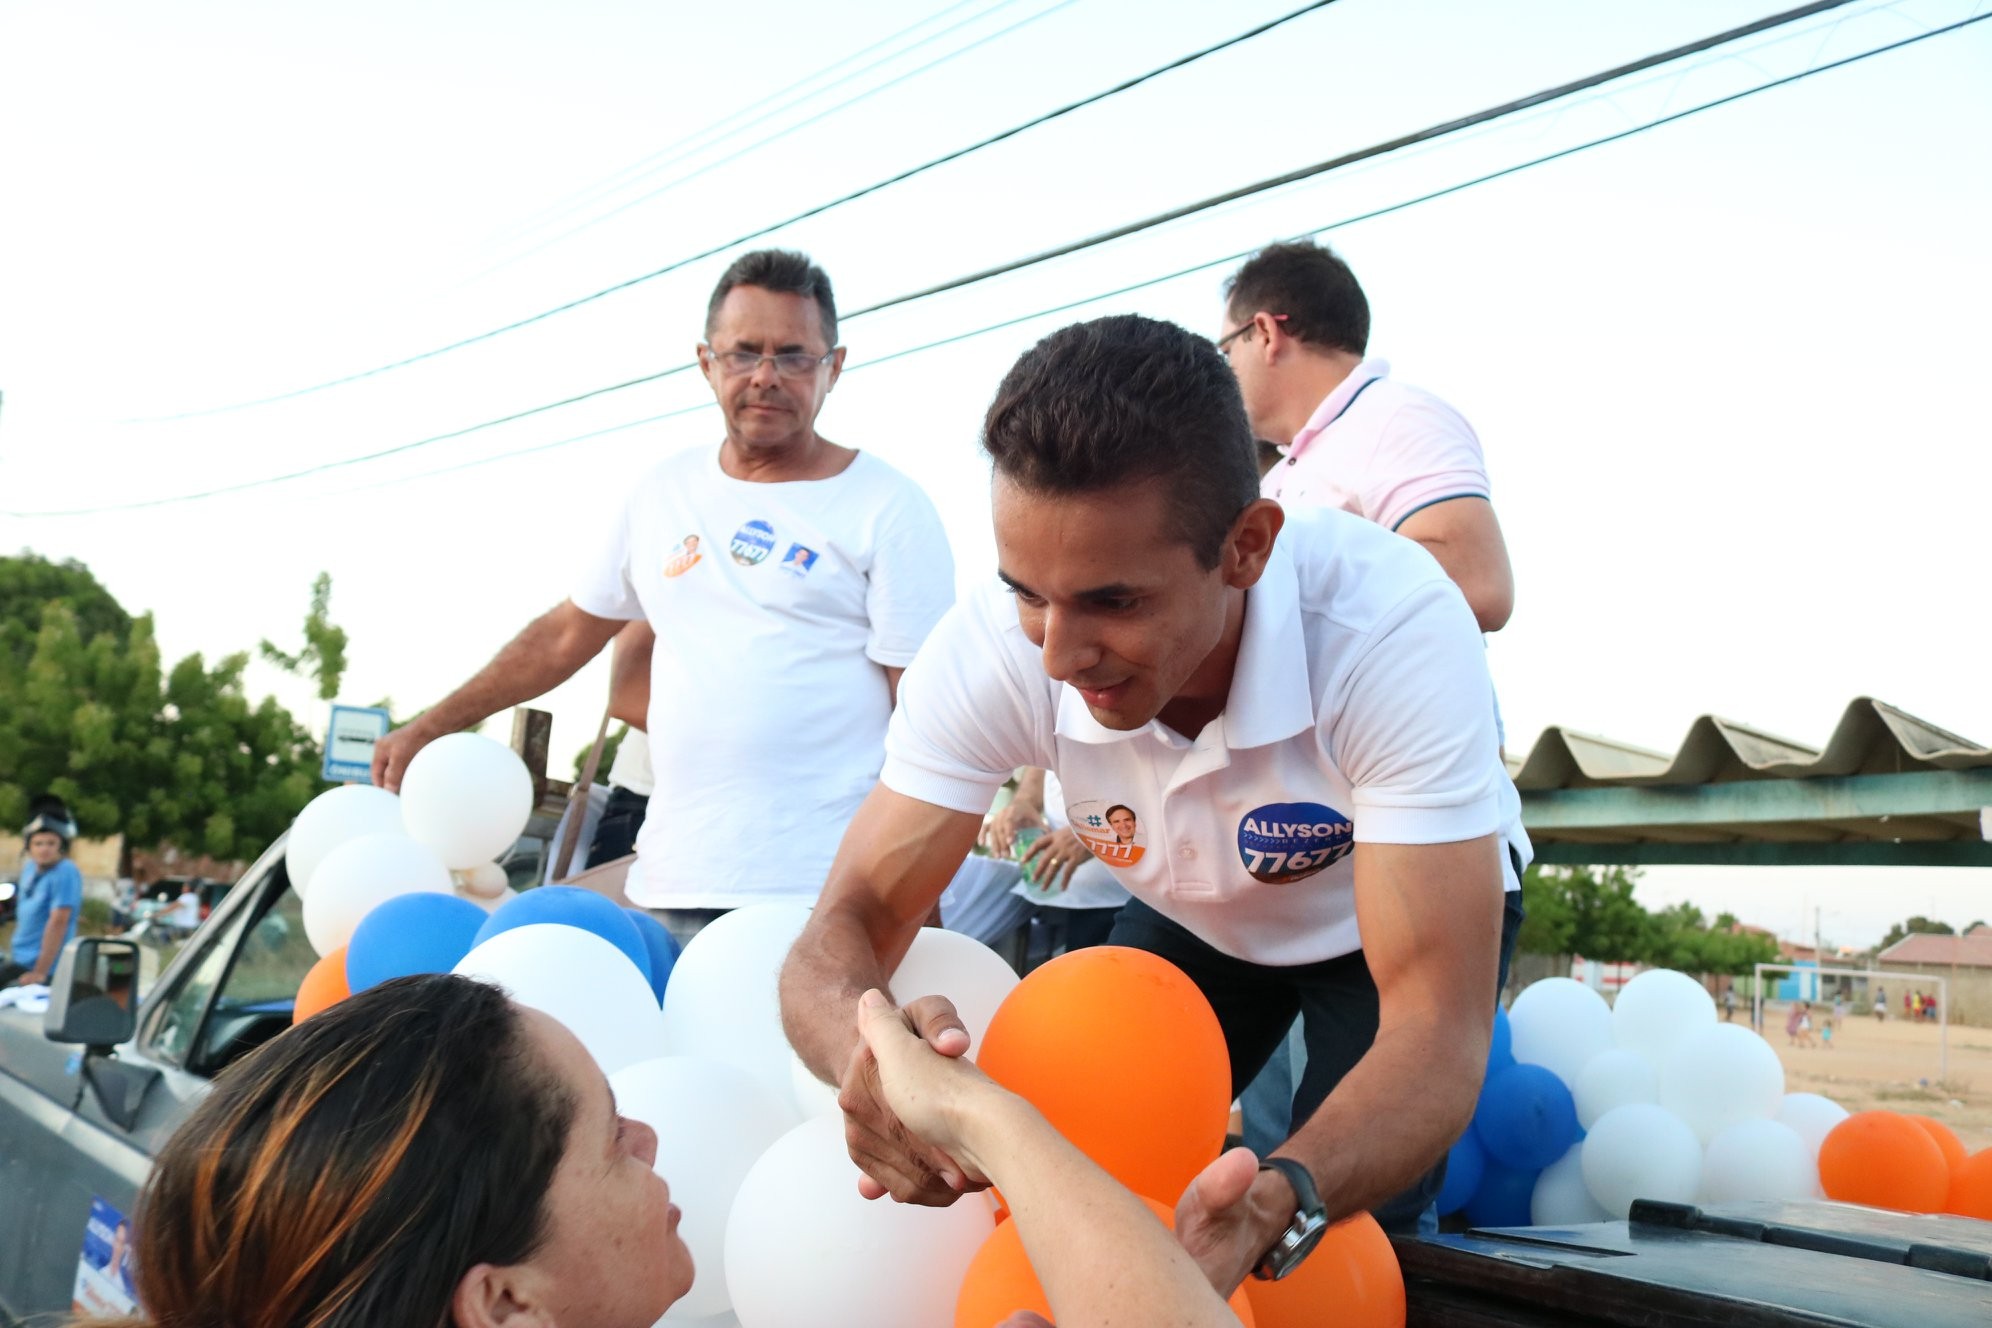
(1659, 1010)
(1719, 1076)
(1812, 1116)
(1560, 1024)
(1758, 1159)
(467, 797)
(581, 980)
(803, 1247)
(487, 880)
(361, 874)
(813, 1097)
(1613, 1079)
(1561, 1198)
(713, 1121)
(961, 968)
(1640, 1151)
(723, 1002)
(334, 818)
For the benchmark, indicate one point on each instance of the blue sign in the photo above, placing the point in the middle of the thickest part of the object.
(1284, 841)
(349, 743)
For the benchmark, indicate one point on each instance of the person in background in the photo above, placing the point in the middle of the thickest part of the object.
(48, 899)
(1880, 1004)
(184, 916)
(789, 580)
(630, 777)
(1296, 327)
(1070, 899)
(1728, 1005)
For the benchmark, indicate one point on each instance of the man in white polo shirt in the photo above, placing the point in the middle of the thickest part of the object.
(789, 580)
(1274, 728)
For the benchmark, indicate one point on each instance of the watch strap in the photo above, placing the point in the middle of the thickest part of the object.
(1309, 1199)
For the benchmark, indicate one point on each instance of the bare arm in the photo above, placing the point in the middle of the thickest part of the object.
(1465, 536)
(892, 676)
(551, 650)
(51, 945)
(629, 675)
(896, 859)
(1430, 916)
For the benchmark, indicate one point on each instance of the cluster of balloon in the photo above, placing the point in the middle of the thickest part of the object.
(1589, 1106)
(1120, 1052)
(1913, 1164)
(400, 885)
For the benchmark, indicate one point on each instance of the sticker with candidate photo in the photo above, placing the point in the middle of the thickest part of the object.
(799, 560)
(1112, 831)
(684, 557)
(752, 543)
(1284, 841)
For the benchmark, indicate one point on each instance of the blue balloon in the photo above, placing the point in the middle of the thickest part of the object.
(1503, 1197)
(1465, 1165)
(426, 932)
(1526, 1118)
(1501, 1049)
(571, 906)
(662, 946)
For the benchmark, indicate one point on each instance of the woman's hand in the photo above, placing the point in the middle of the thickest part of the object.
(1050, 862)
(999, 832)
(941, 1099)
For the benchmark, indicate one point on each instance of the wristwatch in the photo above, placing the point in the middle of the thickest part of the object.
(1310, 1219)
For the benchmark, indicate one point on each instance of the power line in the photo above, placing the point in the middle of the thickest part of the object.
(1205, 266)
(681, 368)
(821, 208)
(614, 180)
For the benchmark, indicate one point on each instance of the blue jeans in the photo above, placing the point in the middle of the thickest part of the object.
(1305, 1057)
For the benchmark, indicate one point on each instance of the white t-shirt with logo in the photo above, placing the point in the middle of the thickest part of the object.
(775, 606)
(1358, 712)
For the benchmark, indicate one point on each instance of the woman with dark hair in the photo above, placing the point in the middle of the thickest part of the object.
(424, 1154)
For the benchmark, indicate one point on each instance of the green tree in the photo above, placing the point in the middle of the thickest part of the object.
(1588, 911)
(323, 657)
(1916, 926)
(179, 755)
(610, 746)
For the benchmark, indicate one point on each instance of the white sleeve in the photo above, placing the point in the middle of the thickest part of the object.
(1414, 728)
(968, 715)
(603, 586)
(911, 580)
(1426, 454)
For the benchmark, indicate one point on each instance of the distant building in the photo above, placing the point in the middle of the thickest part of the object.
(1964, 961)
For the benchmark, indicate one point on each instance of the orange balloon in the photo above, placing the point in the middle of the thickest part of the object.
(1124, 1057)
(1971, 1187)
(1952, 1146)
(323, 986)
(1884, 1160)
(1001, 1281)
(1351, 1280)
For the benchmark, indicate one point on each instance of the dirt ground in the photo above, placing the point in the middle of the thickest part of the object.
(1893, 1066)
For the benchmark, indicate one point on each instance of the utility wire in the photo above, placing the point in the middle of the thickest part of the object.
(616, 179)
(818, 210)
(1434, 194)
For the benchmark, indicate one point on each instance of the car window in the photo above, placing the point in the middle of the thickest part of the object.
(173, 1029)
(260, 990)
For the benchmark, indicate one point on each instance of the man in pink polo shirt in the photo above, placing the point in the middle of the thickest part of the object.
(1296, 330)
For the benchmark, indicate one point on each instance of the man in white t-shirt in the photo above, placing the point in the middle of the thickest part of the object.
(1297, 329)
(1274, 728)
(789, 581)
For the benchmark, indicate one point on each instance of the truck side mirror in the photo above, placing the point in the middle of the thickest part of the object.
(94, 997)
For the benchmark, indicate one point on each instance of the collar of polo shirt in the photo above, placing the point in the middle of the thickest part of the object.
(1332, 405)
(1270, 699)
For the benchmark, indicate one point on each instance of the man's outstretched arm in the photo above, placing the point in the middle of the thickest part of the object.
(551, 650)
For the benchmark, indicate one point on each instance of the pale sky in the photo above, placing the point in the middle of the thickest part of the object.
(1729, 373)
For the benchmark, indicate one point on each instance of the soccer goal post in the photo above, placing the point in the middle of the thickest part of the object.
(1809, 975)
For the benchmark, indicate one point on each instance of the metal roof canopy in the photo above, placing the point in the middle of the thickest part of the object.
(1889, 789)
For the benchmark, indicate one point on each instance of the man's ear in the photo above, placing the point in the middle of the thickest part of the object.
(489, 1296)
(1250, 543)
(836, 368)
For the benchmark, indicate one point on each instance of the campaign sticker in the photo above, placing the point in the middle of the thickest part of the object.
(1284, 841)
(752, 543)
(1110, 830)
(103, 1268)
(799, 560)
(684, 557)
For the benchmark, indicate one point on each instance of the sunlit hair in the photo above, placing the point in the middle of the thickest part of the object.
(350, 1172)
(783, 271)
(1125, 399)
(1319, 298)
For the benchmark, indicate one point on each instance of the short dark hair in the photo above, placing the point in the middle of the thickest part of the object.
(783, 271)
(350, 1171)
(1098, 404)
(1309, 283)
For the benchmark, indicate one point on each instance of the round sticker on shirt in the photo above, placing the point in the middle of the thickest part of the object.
(752, 543)
(684, 557)
(1110, 830)
(1284, 841)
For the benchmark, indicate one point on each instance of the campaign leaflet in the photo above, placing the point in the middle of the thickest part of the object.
(103, 1271)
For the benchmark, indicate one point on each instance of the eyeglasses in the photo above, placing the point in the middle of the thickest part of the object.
(789, 364)
(1245, 327)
